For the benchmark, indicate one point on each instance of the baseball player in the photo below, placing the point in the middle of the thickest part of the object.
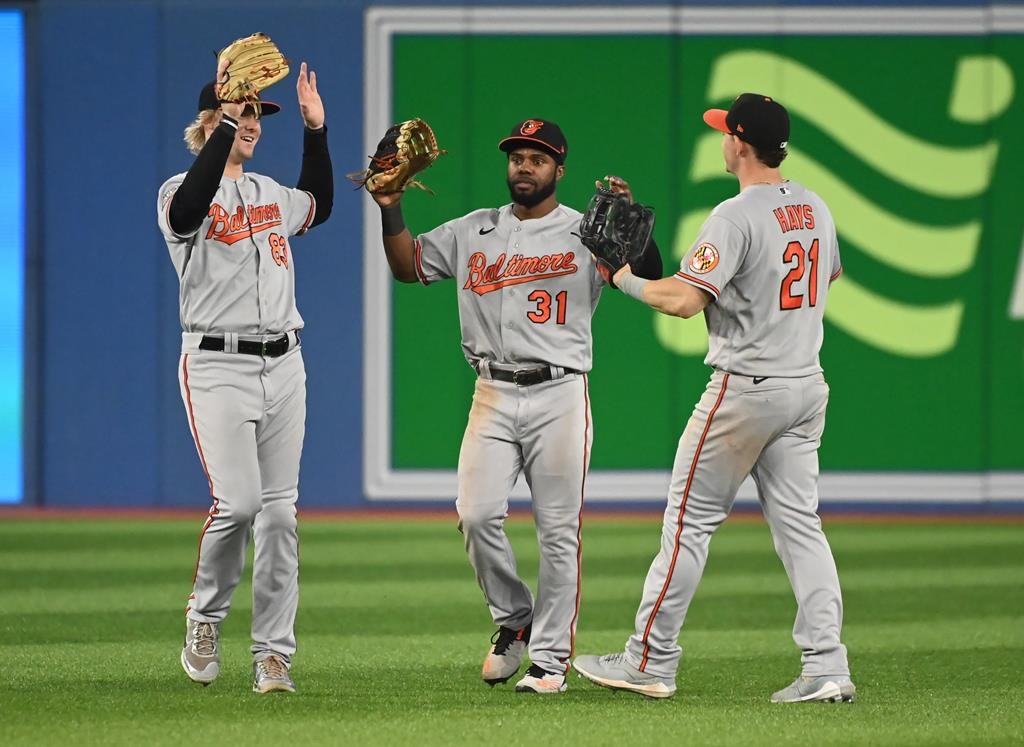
(241, 372)
(760, 270)
(527, 289)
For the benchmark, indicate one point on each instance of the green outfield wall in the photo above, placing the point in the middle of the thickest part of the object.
(915, 143)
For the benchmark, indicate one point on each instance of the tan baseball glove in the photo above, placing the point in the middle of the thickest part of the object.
(405, 150)
(249, 66)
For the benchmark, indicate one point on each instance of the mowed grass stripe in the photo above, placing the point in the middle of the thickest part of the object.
(360, 544)
(372, 590)
(393, 659)
(337, 657)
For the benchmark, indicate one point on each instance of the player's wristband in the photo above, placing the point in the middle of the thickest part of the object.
(631, 285)
(391, 220)
(229, 121)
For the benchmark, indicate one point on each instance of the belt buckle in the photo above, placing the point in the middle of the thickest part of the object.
(525, 376)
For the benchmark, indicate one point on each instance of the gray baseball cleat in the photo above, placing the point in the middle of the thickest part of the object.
(828, 688)
(613, 671)
(271, 675)
(538, 680)
(200, 657)
(506, 654)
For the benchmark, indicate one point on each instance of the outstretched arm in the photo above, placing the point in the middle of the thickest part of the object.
(317, 176)
(668, 295)
(399, 246)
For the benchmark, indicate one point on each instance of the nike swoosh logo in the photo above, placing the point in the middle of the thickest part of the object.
(759, 379)
(484, 231)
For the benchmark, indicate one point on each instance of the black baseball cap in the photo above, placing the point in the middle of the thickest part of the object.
(754, 118)
(539, 134)
(208, 100)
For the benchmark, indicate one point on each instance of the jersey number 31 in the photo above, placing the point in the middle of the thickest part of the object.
(788, 298)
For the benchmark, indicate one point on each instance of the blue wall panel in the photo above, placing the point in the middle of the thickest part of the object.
(111, 111)
(99, 350)
(114, 428)
(12, 252)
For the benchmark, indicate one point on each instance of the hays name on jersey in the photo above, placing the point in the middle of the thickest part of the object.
(484, 278)
(231, 227)
(794, 217)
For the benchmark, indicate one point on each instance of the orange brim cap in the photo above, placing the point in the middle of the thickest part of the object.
(716, 118)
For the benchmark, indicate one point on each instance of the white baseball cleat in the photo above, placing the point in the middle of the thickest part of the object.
(200, 657)
(506, 654)
(271, 675)
(614, 672)
(538, 680)
(827, 688)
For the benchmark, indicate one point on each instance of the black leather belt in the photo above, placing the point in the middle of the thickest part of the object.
(527, 376)
(268, 349)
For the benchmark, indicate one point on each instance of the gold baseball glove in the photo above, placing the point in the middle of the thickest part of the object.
(405, 150)
(249, 66)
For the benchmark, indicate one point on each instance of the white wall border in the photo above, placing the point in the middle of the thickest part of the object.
(380, 480)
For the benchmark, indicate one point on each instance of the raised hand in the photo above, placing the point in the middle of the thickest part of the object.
(310, 105)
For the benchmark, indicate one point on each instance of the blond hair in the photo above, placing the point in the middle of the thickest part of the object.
(195, 134)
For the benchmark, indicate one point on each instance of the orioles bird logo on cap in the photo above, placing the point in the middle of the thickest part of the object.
(530, 126)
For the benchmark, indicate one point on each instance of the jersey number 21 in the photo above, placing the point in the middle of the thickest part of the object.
(805, 262)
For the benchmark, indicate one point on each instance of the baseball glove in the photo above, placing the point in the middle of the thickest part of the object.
(249, 66)
(405, 150)
(615, 231)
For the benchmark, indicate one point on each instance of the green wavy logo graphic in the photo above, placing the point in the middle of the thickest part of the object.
(983, 88)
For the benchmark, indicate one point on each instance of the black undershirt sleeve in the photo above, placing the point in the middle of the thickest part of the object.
(317, 176)
(191, 201)
(649, 264)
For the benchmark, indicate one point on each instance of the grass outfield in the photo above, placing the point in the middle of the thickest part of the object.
(392, 629)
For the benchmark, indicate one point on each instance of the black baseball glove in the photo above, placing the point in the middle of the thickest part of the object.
(615, 230)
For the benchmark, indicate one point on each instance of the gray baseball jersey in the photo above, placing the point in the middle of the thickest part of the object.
(527, 289)
(526, 292)
(764, 253)
(246, 412)
(767, 257)
(237, 273)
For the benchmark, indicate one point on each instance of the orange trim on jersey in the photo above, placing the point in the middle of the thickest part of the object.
(679, 529)
(836, 274)
(697, 281)
(244, 233)
(312, 212)
(417, 256)
(579, 528)
(214, 510)
(498, 285)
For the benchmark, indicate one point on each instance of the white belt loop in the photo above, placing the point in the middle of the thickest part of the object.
(483, 368)
(293, 339)
(557, 372)
(230, 342)
(190, 341)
